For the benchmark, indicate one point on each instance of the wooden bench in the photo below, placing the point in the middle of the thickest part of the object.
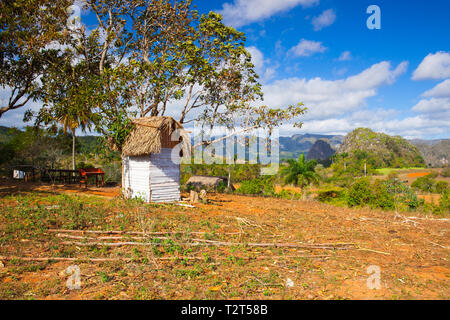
(86, 173)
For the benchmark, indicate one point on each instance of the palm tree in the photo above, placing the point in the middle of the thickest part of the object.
(72, 120)
(300, 172)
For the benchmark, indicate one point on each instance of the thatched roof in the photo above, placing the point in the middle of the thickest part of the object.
(150, 134)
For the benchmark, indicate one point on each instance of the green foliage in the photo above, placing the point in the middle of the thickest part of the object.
(425, 184)
(441, 187)
(300, 173)
(334, 195)
(405, 197)
(172, 52)
(239, 172)
(221, 187)
(445, 172)
(34, 146)
(360, 193)
(288, 194)
(261, 186)
(27, 31)
(444, 203)
(381, 194)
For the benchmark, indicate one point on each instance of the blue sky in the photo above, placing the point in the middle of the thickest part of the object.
(340, 47)
(395, 80)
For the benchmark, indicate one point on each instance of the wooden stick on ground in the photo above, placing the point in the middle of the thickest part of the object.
(8, 258)
(136, 232)
(201, 242)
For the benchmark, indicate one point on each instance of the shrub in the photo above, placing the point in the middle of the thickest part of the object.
(441, 186)
(250, 187)
(433, 174)
(424, 184)
(444, 205)
(381, 197)
(331, 195)
(221, 186)
(360, 193)
(404, 195)
(445, 172)
(392, 175)
(263, 186)
(289, 194)
(376, 195)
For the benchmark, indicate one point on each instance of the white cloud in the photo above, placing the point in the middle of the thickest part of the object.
(437, 106)
(330, 99)
(345, 56)
(306, 48)
(325, 19)
(439, 91)
(433, 66)
(265, 72)
(257, 58)
(409, 128)
(434, 107)
(243, 12)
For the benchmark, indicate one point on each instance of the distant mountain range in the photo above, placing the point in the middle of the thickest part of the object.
(435, 152)
(292, 147)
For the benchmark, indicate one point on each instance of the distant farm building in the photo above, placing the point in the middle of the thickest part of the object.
(207, 182)
(151, 159)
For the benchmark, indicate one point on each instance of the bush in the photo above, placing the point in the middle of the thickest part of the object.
(289, 194)
(444, 205)
(424, 184)
(406, 197)
(222, 186)
(381, 197)
(381, 194)
(360, 193)
(445, 172)
(441, 186)
(263, 186)
(331, 195)
(433, 174)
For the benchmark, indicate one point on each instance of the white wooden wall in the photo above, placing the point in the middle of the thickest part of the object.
(154, 178)
(136, 177)
(164, 177)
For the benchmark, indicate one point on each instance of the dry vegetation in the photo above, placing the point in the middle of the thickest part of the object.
(224, 249)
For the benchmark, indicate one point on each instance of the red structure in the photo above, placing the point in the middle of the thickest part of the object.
(85, 173)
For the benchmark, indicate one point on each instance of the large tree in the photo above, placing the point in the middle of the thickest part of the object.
(162, 58)
(29, 29)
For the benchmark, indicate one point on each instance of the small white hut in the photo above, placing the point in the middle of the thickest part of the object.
(151, 159)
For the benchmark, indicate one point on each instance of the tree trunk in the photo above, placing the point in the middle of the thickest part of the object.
(229, 176)
(73, 151)
(365, 169)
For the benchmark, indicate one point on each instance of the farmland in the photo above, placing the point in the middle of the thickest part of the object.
(233, 247)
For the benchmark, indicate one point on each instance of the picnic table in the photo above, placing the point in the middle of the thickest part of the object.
(87, 172)
(60, 175)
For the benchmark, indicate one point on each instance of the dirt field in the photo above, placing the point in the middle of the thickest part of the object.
(233, 247)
